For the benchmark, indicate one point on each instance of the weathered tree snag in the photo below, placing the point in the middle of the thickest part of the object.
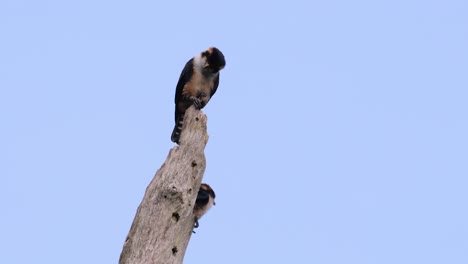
(164, 220)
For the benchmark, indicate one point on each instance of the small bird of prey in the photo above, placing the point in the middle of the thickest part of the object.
(205, 199)
(197, 84)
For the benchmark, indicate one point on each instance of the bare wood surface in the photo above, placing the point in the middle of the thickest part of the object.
(163, 223)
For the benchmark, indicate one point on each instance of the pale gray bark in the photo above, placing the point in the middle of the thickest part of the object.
(163, 223)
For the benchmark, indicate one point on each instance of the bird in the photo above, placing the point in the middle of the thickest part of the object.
(197, 83)
(205, 199)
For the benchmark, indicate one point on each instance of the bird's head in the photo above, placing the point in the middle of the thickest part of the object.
(214, 59)
(205, 187)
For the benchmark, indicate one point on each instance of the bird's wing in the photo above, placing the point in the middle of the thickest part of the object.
(215, 85)
(183, 79)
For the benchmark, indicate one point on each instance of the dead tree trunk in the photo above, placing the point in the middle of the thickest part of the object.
(164, 220)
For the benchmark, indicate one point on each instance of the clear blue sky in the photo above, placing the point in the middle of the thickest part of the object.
(338, 134)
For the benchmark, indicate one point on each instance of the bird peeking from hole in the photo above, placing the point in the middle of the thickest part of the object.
(205, 199)
(197, 83)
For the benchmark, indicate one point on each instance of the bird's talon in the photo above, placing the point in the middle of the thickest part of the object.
(196, 102)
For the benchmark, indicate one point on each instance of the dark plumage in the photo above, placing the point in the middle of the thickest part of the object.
(205, 199)
(197, 83)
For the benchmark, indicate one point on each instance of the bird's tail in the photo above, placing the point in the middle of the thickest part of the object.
(177, 128)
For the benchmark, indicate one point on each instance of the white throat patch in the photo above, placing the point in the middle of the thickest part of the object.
(199, 62)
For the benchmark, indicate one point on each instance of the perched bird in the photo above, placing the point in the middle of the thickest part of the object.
(197, 84)
(205, 199)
